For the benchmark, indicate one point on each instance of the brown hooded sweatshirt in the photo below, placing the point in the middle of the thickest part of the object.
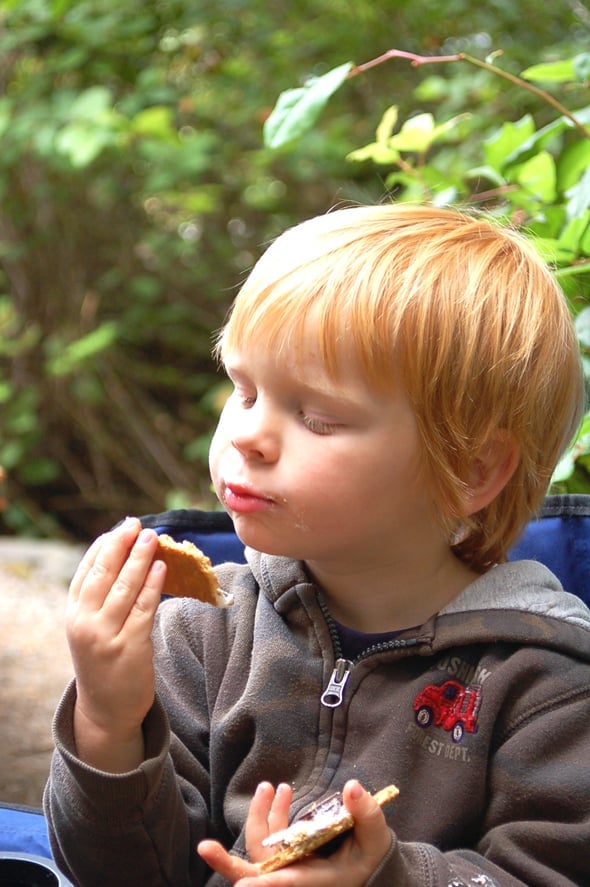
(481, 717)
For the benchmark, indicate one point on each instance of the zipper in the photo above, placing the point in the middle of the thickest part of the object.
(333, 695)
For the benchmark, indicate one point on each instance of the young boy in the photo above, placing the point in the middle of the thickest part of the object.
(405, 379)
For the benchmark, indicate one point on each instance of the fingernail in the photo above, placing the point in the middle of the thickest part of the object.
(145, 536)
(356, 790)
(128, 523)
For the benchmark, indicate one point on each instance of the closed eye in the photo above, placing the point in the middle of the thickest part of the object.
(317, 426)
(244, 399)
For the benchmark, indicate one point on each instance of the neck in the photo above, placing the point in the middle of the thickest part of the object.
(389, 597)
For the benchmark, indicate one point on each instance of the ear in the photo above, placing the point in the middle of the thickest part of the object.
(490, 471)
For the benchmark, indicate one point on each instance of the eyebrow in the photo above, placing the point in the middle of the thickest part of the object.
(323, 391)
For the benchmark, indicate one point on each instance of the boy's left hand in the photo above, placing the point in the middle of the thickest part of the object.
(349, 866)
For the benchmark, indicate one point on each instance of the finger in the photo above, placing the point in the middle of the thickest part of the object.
(257, 828)
(136, 576)
(278, 818)
(371, 832)
(148, 599)
(102, 563)
(232, 868)
(129, 525)
(86, 563)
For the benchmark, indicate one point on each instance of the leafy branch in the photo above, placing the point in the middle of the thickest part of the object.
(419, 60)
(297, 110)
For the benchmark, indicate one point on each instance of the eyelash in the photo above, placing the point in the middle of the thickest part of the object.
(316, 426)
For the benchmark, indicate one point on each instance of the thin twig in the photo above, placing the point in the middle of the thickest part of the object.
(572, 270)
(418, 60)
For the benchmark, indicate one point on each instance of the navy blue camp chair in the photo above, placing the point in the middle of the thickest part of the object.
(559, 538)
(212, 531)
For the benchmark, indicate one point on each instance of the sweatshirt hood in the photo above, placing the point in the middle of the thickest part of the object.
(519, 602)
(525, 586)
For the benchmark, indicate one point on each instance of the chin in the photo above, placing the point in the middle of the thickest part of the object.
(264, 540)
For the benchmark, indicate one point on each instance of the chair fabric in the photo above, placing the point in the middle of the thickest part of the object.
(23, 830)
(560, 539)
(212, 531)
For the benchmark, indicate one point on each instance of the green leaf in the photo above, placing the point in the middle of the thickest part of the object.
(582, 66)
(82, 142)
(76, 353)
(297, 110)
(379, 151)
(416, 135)
(488, 173)
(538, 141)
(547, 247)
(562, 71)
(432, 89)
(503, 143)
(538, 176)
(90, 103)
(582, 323)
(571, 236)
(572, 163)
(375, 152)
(11, 454)
(156, 121)
(386, 125)
(579, 196)
(419, 133)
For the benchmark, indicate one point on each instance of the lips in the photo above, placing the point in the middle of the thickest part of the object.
(245, 500)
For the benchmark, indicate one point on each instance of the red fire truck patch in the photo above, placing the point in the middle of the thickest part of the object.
(451, 705)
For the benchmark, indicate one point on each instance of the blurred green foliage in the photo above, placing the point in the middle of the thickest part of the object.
(536, 177)
(136, 192)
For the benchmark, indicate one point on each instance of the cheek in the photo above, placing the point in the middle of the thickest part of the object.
(218, 443)
(337, 484)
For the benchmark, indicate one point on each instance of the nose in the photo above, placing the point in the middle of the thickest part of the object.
(255, 434)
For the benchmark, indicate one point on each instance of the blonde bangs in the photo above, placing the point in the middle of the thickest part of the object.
(341, 295)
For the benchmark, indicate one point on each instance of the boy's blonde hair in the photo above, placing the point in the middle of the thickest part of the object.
(459, 308)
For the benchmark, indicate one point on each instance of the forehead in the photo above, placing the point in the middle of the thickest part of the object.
(294, 326)
(302, 348)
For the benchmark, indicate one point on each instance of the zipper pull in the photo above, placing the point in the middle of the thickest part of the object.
(334, 692)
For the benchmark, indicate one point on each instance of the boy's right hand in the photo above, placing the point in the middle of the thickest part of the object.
(350, 866)
(112, 603)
